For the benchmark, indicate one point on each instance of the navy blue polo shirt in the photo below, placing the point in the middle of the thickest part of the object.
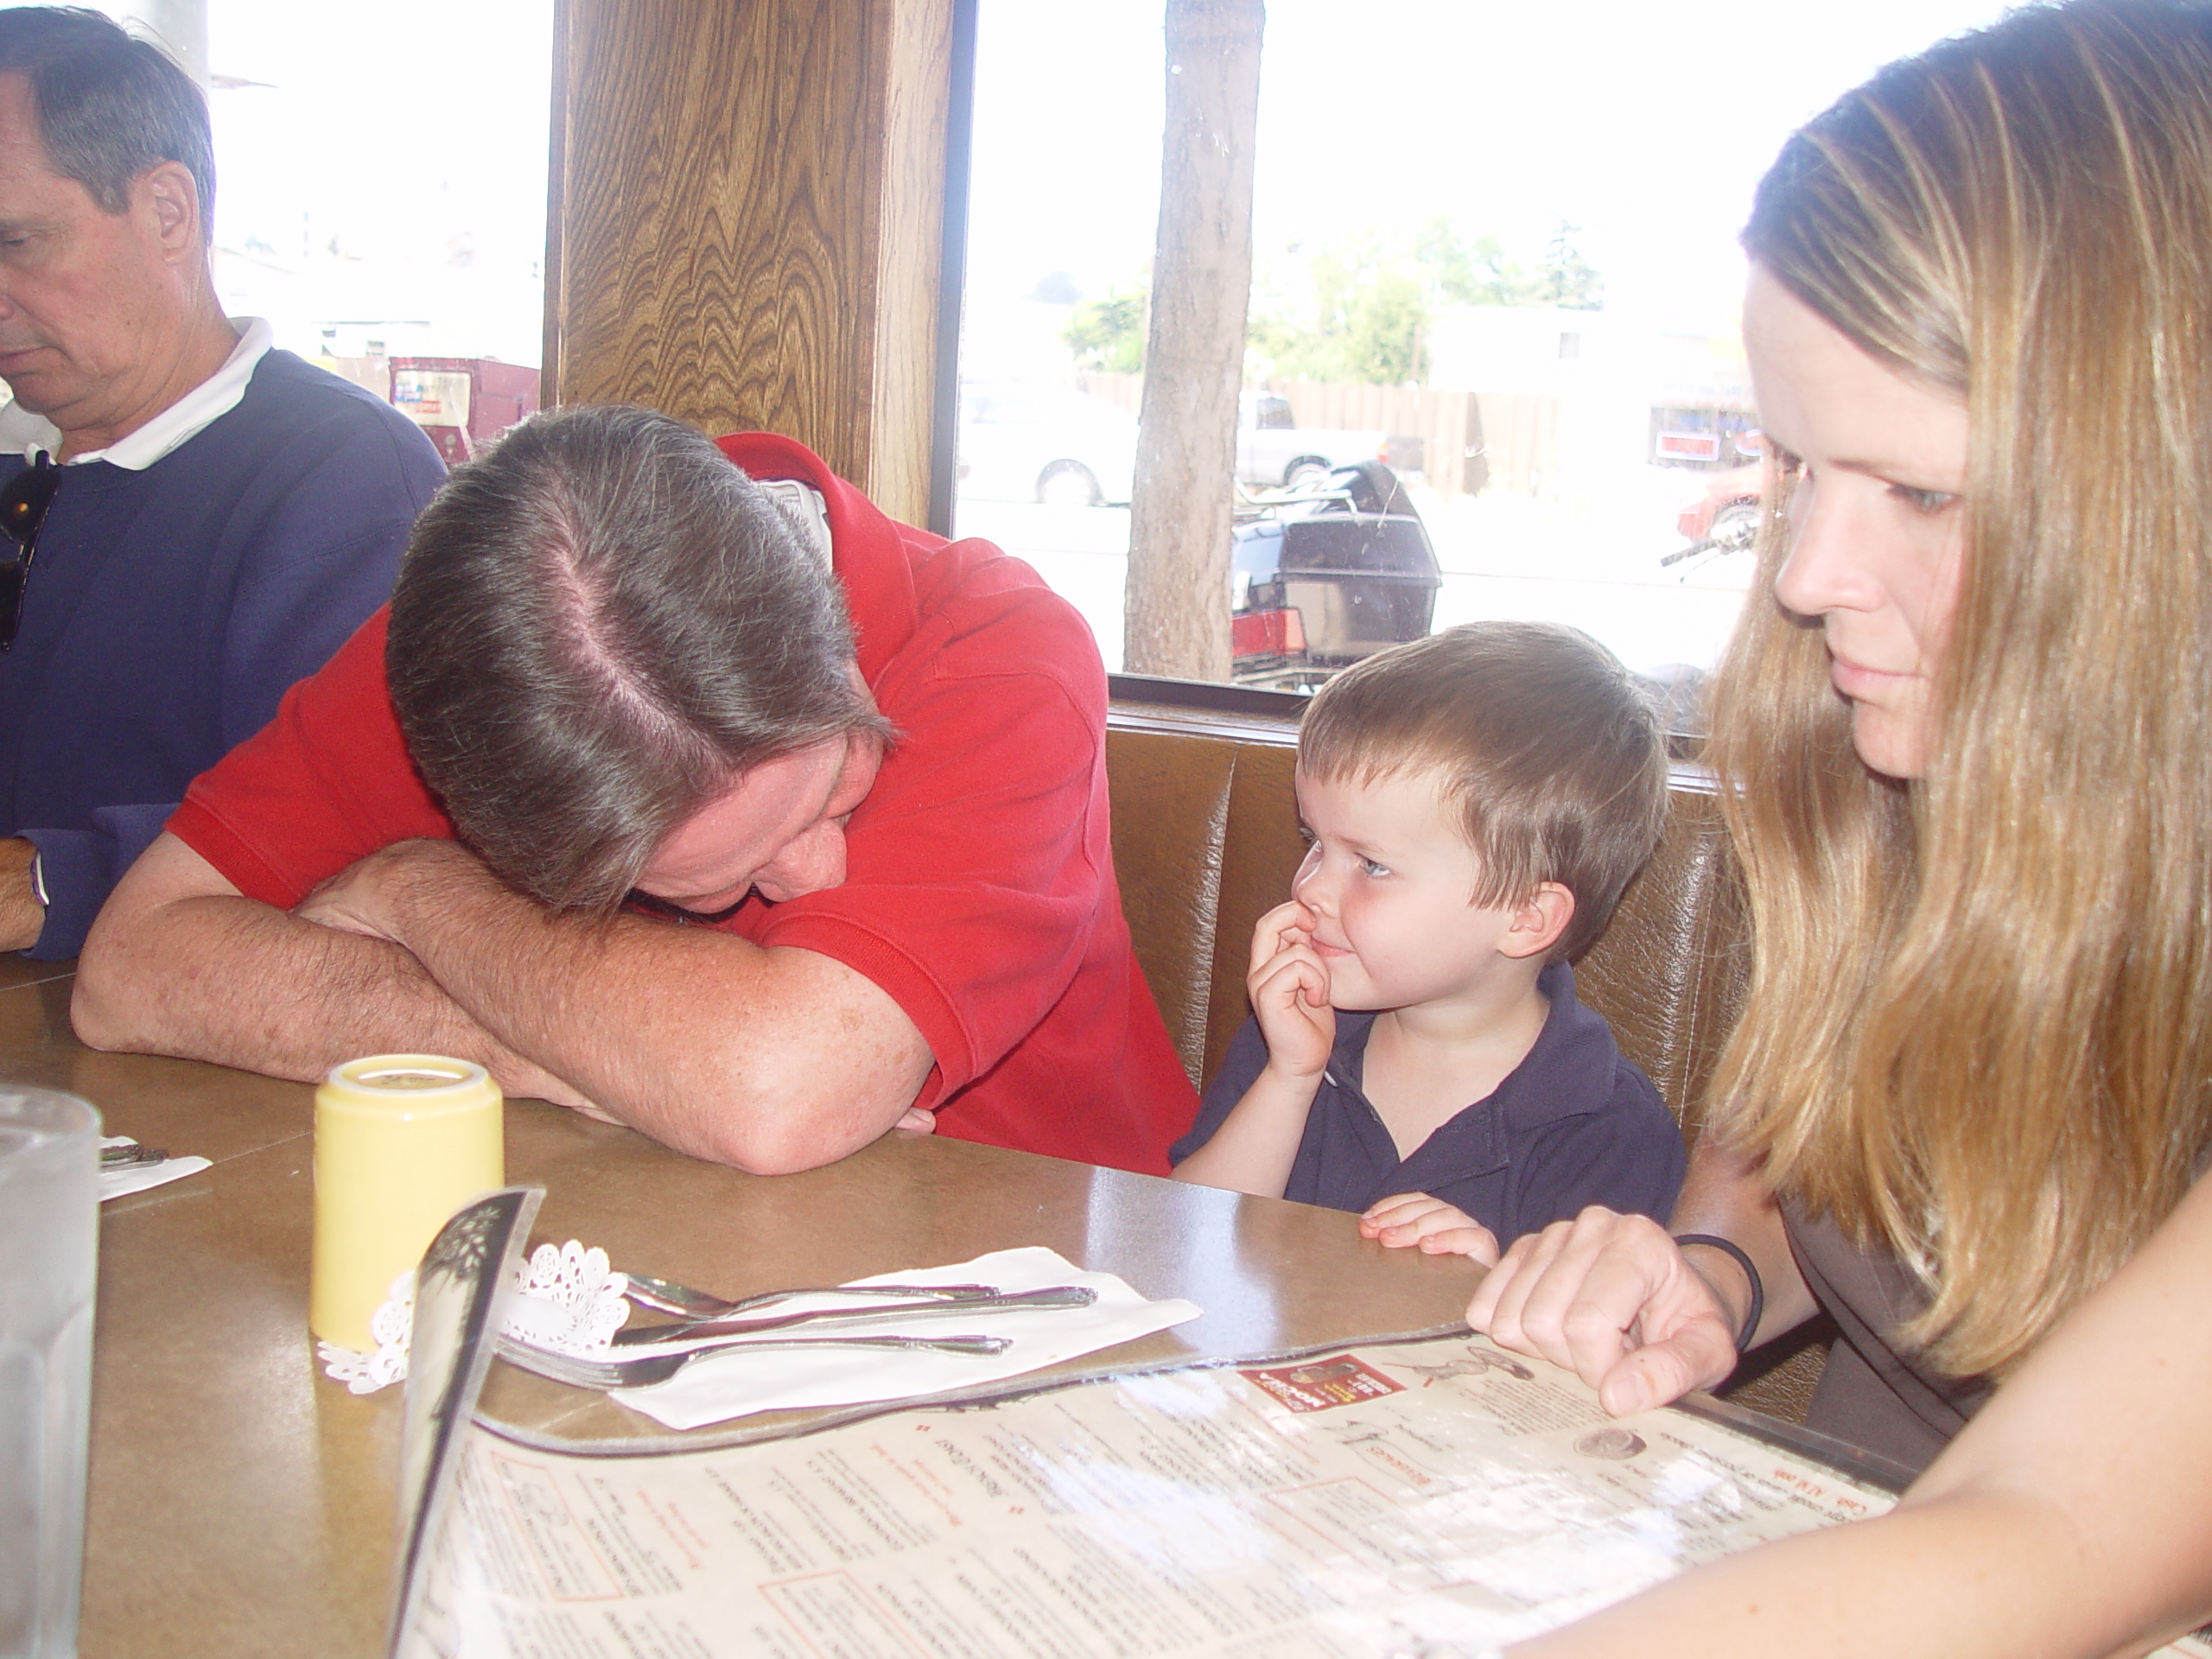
(1575, 1123)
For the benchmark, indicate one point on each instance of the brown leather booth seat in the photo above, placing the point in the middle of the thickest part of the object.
(1206, 840)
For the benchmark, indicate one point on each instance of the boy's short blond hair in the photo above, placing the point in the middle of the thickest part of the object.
(1547, 751)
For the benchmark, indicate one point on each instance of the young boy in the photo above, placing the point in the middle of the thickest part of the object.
(1476, 801)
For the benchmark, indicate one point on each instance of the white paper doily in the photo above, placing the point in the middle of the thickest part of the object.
(570, 1300)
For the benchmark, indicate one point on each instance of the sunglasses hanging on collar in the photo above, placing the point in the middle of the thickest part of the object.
(23, 503)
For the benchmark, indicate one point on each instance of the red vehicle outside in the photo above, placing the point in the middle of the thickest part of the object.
(463, 402)
(1725, 513)
(1727, 508)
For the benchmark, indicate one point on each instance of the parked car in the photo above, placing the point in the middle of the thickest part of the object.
(1328, 575)
(1045, 443)
(1273, 450)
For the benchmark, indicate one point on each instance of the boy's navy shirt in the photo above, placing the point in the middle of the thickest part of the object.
(1575, 1123)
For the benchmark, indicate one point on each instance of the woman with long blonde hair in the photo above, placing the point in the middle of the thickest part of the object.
(1967, 758)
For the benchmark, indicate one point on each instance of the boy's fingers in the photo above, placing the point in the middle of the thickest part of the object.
(1396, 1199)
(1294, 948)
(1471, 1239)
(1277, 977)
(1394, 1230)
(1293, 972)
(1436, 1217)
(1417, 1219)
(1393, 1211)
(1425, 1218)
(1291, 1004)
(1286, 925)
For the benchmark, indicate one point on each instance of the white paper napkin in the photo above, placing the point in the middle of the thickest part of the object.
(136, 1178)
(736, 1383)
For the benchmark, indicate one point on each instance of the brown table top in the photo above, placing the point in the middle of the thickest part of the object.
(241, 1502)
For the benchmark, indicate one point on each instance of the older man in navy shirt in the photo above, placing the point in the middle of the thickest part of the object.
(193, 520)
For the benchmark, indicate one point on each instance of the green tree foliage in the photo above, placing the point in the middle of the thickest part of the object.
(1108, 334)
(1570, 281)
(1460, 270)
(1361, 309)
(1361, 319)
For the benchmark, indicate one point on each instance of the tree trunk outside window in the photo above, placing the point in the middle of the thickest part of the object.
(1176, 619)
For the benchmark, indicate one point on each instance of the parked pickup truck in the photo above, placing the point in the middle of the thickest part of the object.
(1273, 450)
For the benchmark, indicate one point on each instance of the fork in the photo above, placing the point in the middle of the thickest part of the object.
(666, 1296)
(640, 1370)
(130, 1156)
(685, 1330)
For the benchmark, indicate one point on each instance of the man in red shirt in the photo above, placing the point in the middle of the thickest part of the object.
(733, 812)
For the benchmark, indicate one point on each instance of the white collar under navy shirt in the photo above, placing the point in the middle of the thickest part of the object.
(29, 435)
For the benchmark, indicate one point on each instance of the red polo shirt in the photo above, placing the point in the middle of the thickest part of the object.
(979, 892)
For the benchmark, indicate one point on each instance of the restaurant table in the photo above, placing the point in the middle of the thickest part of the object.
(241, 1502)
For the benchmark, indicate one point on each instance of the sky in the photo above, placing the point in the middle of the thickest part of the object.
(1645, 125)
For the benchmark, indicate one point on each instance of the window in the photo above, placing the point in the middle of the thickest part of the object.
(380, 188)
(1502, 238)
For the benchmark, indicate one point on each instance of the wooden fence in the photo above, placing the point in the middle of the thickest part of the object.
(1470, 440)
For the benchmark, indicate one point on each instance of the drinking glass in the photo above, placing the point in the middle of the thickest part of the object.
(49, 1234)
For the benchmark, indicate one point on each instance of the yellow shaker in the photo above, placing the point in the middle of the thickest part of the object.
(401, 1141)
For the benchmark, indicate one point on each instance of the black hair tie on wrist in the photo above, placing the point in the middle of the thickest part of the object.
(1757, 1309)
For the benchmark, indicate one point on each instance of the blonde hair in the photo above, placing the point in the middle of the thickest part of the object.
(1548, 754)
(1980, 1025)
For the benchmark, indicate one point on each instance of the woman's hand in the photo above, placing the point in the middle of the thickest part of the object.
(1611, 1297)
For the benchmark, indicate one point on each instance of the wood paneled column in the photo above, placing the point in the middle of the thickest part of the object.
(744, 223)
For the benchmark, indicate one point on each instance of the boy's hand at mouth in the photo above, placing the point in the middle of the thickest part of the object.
(1289, 987)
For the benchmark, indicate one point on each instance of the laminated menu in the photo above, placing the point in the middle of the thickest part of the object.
(1435, 1496)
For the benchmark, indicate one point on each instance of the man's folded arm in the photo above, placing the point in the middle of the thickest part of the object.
(773, 1059)
(180, 962)
(770, 1060)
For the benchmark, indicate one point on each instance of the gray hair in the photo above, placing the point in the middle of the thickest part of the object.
(109, 107)
(599, 625)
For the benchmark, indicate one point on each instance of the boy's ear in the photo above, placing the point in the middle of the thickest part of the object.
(1538, 921)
